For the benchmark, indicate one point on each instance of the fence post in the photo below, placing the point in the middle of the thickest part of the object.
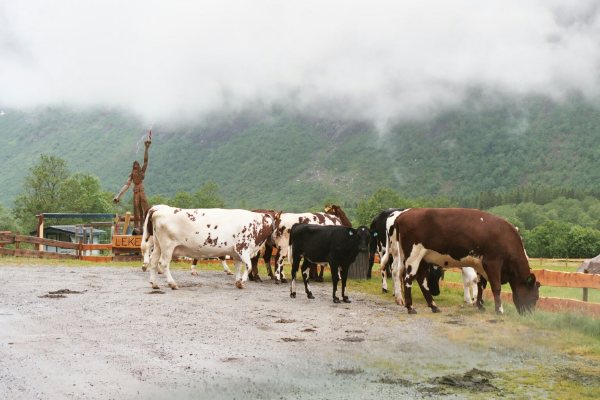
(585, 294)
(80, 249)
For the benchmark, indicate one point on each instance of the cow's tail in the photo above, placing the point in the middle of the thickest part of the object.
(386, 255)
(147, 239)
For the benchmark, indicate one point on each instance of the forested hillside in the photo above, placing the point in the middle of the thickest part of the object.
(282, 158)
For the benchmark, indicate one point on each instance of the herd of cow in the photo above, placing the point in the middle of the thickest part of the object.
(418, 244)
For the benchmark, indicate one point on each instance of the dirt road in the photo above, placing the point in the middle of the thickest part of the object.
(119, 339)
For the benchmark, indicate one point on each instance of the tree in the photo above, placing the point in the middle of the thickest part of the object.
(7, 221)
(50, 188)
(380, 200)
(208, 196)
(42, 189)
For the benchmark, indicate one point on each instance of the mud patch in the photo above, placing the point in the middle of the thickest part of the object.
(348, 371)
(52, 296)
(388, 380)
(353, 339)
(285, 321)
(586, 379)
(289, 339)
(309, 330)
(156, 292)
(67, 291)
(473, 380)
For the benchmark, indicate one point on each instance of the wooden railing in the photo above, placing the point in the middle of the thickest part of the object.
(80, 250)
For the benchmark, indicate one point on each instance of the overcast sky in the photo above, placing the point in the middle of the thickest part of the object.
(167, 59)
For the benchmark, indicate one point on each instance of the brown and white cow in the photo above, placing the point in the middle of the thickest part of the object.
(281, 236)
(205, 233)
(457, 237)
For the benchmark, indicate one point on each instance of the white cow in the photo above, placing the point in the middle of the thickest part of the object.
(204, 233)
(281, 235)
(148, 245)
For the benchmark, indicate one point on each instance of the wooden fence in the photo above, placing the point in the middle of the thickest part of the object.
(78, 251)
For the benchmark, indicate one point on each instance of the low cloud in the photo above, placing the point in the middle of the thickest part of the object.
(371, 59)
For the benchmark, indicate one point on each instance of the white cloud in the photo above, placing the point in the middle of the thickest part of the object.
(376, 58)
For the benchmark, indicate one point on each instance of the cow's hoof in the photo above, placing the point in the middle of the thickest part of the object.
(411, 311)
(399, 302)
(346, 299)
(229, 272)
(336, 300)
(293, 295)
(194, 273)
(257, 279)
(173, 286)
(239, 284)
(144, 268)
(310, 295)
(283, 280)
(435, 309)
(277, 281)
(384, 290)
(251, 278)
(160, 271)
(154, 286)
(481, 307)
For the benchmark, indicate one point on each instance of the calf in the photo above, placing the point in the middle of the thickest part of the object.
(469, 277)
(205, 233)
(281, 235)
(457, 237)
(336, 245)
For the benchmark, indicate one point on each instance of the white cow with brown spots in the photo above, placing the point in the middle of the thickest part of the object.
(204, 233)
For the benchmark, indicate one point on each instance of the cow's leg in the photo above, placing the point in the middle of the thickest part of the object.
(335, 277)
(238, 273)
(481, 284)
(295, 265)
(248, 262)
(411, 266)
(306, 265)
(345, 268)
(474, 292)
(254, 275)
(423, 284)
(267, 259)
(225, 267)
(193, 267)
(154, 265)
(320, 276)
(164, 261)
(280, 277)
(495, 267)
(384, 285)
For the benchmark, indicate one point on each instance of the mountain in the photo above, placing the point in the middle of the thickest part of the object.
(280, 157)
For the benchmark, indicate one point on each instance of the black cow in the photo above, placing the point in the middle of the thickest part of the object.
(336, 245)
(378, 239)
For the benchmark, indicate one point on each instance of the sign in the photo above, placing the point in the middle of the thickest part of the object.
(127, 241)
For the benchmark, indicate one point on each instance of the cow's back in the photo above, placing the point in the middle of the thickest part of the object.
(459, 232)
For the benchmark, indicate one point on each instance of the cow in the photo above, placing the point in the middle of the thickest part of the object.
(205, 233)
(457, 237)
(148, 245)
(281, 236)
(336, 245)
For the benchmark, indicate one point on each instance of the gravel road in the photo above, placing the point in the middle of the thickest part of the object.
(108, 335)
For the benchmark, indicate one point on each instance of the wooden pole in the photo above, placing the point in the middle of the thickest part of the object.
(40, 230)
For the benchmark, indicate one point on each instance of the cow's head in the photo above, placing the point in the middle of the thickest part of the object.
(526, 294)
(362, 237)
(433, 279)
